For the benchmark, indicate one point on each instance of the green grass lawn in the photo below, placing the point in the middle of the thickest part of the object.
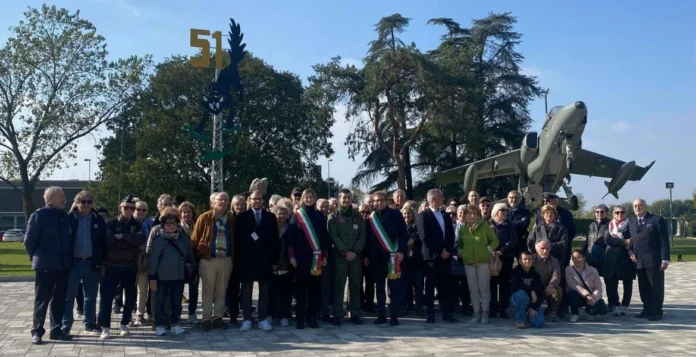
(14, 260)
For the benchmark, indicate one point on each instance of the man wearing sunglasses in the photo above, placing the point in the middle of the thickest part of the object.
(124, 237)
(88, 231)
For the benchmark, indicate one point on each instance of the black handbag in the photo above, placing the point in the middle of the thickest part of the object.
(600, 307)
(189, 271)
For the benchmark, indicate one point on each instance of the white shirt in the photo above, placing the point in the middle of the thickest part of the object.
(440, 219)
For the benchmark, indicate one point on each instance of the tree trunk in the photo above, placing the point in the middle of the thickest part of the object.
(27, 199)
(401, 171)
(409, 175)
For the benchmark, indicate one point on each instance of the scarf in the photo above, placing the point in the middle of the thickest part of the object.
(615, 229)
(345, 211)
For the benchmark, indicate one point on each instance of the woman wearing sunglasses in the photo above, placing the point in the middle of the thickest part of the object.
(595, 244)
(617, 265)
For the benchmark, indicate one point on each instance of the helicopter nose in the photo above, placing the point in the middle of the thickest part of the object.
(579, 105)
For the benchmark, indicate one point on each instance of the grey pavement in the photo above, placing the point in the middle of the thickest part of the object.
(607, 336)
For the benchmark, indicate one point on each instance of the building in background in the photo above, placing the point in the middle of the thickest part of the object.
(11, 211)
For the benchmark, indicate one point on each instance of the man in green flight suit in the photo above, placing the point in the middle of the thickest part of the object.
(347, 231)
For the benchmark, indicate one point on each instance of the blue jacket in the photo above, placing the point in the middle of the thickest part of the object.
(395, 226)
(299, 242)
(48, 240)
(97, 235)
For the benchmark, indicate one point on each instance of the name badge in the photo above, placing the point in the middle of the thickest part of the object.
(355, 226)
(96, 226)
(255, 236)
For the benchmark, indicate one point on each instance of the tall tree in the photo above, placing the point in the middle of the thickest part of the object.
(282, 129)
(387, 99)
(56, 86)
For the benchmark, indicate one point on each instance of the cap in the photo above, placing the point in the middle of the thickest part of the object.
(128, 199)
(484, 199)
(296, 191)
(548, 195)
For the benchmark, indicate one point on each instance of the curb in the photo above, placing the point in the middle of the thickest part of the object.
(15, 279)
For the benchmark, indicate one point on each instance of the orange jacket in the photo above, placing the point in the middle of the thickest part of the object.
(202, 234)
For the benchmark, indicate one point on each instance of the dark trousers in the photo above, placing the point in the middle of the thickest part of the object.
(80, 299)
(232, 296)
(651, 286)
(280, 296)
(308, 295)
(114, 276)
(460, 291)
(49, 288)
(438, 276)
(172, 290)
(118, 299)
(247, 290)
(576, 301)
(501, 285)
(193, 296)
(367, 291)
(397, 294)
(327, 281)
(613, 291)
(415, 284)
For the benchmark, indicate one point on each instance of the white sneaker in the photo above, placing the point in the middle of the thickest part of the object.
(589, 317)
(193, 319)
(574, 318)
(484, 318)
(124, 331)
(160, 331)
(105, 333)
(284, 323)
(246, 325)
(178, 329)
(476, 319)
(269, 319)
(265, 325)
(624, 310)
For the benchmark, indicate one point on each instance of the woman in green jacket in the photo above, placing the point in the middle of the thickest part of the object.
(475, 243)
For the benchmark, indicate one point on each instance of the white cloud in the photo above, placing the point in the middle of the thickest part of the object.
(351, 61)
(620, 126)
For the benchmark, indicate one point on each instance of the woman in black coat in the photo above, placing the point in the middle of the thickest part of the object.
(308, 286)
(617, 265)
(596, 242)
(507, 238)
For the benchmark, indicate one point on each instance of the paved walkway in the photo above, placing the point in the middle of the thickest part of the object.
(610, 336)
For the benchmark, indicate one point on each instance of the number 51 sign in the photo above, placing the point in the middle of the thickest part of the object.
(204, 45)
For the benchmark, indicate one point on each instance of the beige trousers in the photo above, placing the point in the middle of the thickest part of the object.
(143, 284)
(215, 275)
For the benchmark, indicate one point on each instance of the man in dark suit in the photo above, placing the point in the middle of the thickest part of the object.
(388, 239)
(437, 233)
(258, 240)
(649, 242)
(50, 247)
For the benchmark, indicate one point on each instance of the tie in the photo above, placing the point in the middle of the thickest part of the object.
(640, 221)
(258, 218)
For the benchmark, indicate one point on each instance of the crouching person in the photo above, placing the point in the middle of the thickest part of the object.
(584, 288)
(527, 293)
(171, 259)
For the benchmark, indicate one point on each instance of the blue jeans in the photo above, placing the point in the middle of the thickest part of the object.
(172, 289)
(82, 272)
(520, 301)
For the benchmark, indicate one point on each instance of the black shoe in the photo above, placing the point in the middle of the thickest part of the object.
(369, 308)
(205, 325)
(65, 331)
(226, 314)
(655, 318)
(313, 323)
(503, 314)
(336, 321)
(36, 340)
(450, 318)
(493, 314)
(61, 337)
(221, 325)
(431, 319)
(327, 318)
(356, 320)
(642, 315)
(116, 310)
(300, 326)
(380, 320)
(467, 312)
(394, 321)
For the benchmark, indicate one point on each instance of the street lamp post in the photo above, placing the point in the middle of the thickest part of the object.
(328, 176)
(89, 170)
(546, 104)
(670, 186)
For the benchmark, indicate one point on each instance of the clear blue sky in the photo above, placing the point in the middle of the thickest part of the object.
(632, 62)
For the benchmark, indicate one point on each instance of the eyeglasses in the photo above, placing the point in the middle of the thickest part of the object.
(620, 212)
(86, 202)
(364, 212)
(141, 209)
(600, 212)
(128, 208)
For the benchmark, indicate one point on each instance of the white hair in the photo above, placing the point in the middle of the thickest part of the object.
(497, 207)
(161, 199)
(320, 201)
(540, 241)
(50, 191)
(274, 200)
(432, 193)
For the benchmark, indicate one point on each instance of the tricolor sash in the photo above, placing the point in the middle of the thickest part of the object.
(387, 245)
(312, 239)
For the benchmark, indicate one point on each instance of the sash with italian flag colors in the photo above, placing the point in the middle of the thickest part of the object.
(387, 245)
(312, 239)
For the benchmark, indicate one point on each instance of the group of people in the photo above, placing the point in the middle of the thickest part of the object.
(302, 247)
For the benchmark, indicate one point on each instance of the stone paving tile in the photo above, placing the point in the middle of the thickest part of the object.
(608, 336)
